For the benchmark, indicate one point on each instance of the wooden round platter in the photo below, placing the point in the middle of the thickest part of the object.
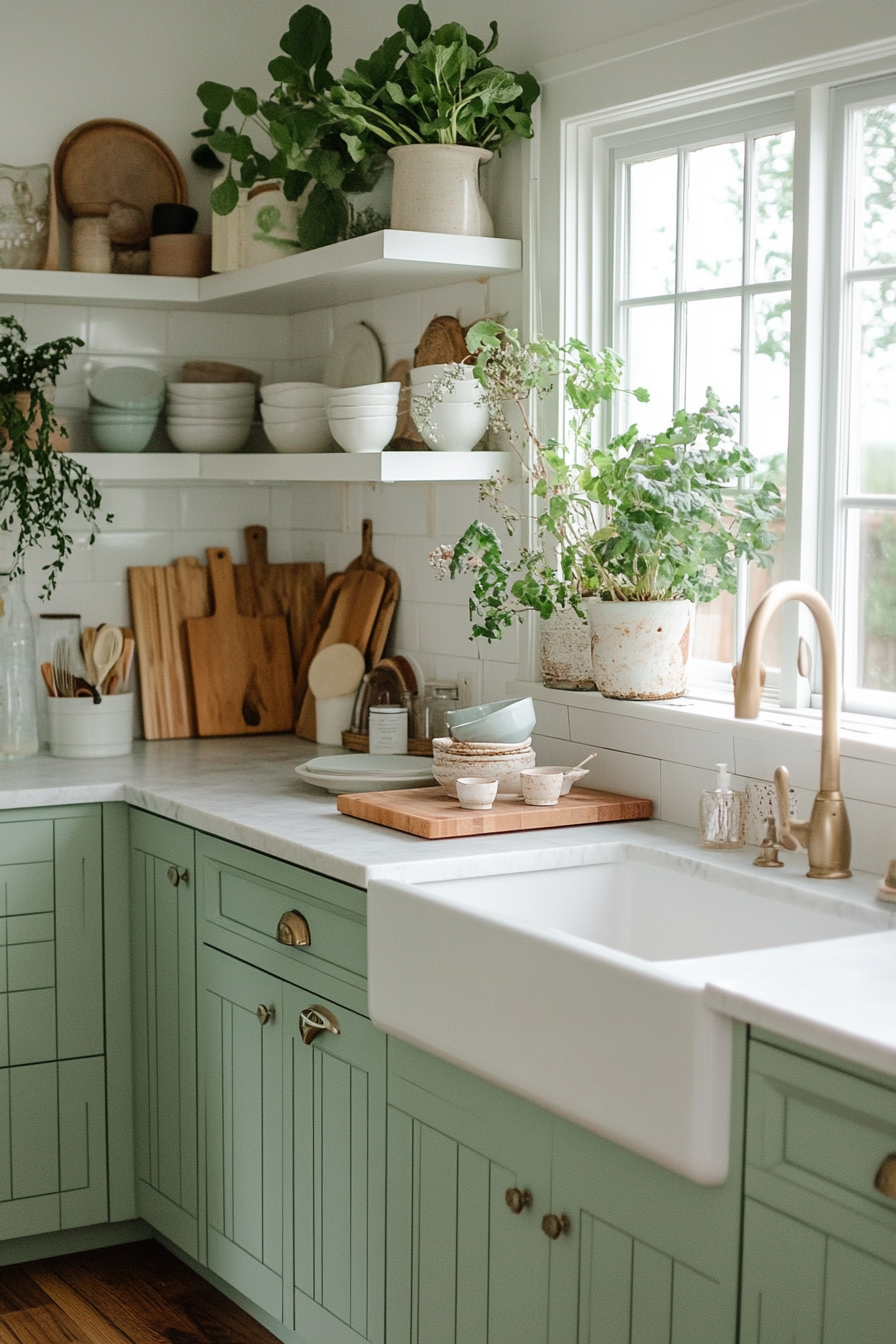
(117, 161)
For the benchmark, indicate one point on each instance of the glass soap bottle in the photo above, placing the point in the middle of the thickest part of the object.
(18, 659)
(722, 814)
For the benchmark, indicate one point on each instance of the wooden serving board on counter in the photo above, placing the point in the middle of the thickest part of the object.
(432, 815)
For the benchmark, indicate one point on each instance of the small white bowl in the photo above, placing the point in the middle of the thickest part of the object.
(540, 788)
(208, 436)
(570, 777)
(427, 372)
(376, 388)
(364, 399)
(477, 795)
(458, 426)
(301, 436)
(367, 412)
(295, 394)
(291, 415)
(369, 434)
(211, 391)
(211, 410)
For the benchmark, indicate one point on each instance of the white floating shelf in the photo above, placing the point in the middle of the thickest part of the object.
(393, 261)
(149, 468)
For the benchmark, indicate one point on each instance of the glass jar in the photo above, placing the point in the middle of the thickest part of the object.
(24, 216)
(439, 698)
(18, 656)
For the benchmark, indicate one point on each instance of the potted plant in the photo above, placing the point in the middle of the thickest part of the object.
(440, 107)
(307, 152)
(40, 483)
(629, 535)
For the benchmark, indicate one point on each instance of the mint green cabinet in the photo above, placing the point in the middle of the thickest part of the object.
(163, 948)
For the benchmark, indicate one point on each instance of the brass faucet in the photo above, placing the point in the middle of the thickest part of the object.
(826, 834)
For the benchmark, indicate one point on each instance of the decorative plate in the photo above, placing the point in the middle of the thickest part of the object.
(355, 359)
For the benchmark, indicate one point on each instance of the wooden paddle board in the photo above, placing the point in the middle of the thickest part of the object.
(241, 665)
(293, 589)
(391, 593)
(163, 597)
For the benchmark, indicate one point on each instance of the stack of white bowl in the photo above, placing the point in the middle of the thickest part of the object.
(363, 419)
(459, 419)
(295, 417)
(210, 417)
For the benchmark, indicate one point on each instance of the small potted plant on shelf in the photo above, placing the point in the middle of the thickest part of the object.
(628, 535)
(40, 483)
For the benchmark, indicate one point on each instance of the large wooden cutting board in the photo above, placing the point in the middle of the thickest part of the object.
(162, 598)
(241, 665)
(291, 589)
(432, 815)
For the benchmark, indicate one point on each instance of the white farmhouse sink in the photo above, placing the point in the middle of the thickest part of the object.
(581, 987)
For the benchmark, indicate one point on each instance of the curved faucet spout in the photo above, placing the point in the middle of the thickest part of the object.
(826, 834)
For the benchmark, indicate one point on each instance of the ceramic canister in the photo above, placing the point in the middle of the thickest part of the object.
(388, 730)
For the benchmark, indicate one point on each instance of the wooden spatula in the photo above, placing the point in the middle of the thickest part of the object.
(242, 674)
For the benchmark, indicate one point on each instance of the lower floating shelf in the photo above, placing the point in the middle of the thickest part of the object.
(146, 468)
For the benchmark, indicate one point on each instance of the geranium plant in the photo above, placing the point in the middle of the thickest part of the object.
(642, 518)
(39, 487)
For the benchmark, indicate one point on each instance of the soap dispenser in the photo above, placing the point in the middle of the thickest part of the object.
(722, 813)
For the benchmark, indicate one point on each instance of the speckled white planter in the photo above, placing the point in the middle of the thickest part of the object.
(436, 190)
(566, 652)
(640, 650)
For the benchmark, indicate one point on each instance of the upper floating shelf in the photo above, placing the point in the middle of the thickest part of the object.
(145, 468)
(393, 261)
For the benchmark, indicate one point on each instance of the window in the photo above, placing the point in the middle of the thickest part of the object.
(701, 297)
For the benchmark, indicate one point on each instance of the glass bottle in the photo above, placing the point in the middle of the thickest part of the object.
(722, 812)
(18, 658)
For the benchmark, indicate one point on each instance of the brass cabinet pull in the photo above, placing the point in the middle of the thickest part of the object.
(517, 1200)
(552, 1225)
(885, 1180)
(293, 930)
(264, 1014)
(314, 1020)
(178, 875)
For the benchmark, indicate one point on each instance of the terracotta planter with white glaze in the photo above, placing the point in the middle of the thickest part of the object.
(640, 650)
(566, 652)
(436, 190)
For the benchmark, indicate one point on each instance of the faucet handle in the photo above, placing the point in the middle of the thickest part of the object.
(788, 831)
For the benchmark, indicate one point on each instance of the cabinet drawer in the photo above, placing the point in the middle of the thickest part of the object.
(820, 1131)
(247, 894)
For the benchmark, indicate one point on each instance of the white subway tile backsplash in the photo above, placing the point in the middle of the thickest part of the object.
(553, 720)
(443, 630)
(873, 835)
(317, 507)
(311, 334)
(141, 510)
(49, 321)
(405, 631)
(205, 507)
(241, 338)
(467, 302)
(138, 331)
(759, 758)
(617, 771)
(397, 510)
(113, 552)
(494, 681)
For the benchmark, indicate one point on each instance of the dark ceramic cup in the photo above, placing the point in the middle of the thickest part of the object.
(172, 218)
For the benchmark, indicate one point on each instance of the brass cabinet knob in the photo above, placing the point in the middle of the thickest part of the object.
(885, 1180)
(517, 1200)
(264, 1014)
(293, 930)
(553, 1225)
(314, 1020)
(178, 875)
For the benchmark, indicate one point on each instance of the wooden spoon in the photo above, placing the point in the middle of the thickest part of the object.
(107, 648)
(46, 671)
(88, 639)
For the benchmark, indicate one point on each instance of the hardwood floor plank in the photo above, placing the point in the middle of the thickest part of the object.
(98, 1329)
(40, 1325)
(18, 1290)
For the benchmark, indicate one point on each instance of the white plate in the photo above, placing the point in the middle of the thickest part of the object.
(355, 359)
(362, 773)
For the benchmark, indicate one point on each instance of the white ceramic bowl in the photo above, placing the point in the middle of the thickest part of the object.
(460, 392)
(208, 436)
(364, 399)
(542, 788)
(570, 777)
(458, 426)
(301, 436)
(427, 372)
(505, 769)
(211, 391)
(498, 721)
(291, 415)
(365, 412)
(366, 434)
(211, 410)
(379, 389)
(476, 794)
(295, 394)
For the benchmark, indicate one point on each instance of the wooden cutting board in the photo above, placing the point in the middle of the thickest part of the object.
(290, 589)
(241, 665)
(432, 815)
(391, 592)
(352, 620)
(163, 597)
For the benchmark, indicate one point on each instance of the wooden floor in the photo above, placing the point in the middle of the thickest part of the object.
(135, 1294)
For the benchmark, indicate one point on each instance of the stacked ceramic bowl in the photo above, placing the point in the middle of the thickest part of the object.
(452, 761)
(210, 417)
(363, 419)
(457, 420)
(295, 417)
(124, 407)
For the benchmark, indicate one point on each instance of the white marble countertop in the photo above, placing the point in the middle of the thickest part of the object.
(838, 996)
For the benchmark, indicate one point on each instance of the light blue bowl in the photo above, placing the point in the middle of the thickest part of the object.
(504, 721)
(125, 435)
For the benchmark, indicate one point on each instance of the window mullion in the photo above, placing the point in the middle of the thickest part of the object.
(680, 354)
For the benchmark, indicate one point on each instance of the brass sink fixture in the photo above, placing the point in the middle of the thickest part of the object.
(826, 834)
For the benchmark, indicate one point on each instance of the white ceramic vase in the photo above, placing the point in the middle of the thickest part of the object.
(566, 652)
(640, 650)
(436, 190)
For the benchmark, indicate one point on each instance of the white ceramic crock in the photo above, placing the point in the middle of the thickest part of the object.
(436, 190)
(81, 729)
(640, 650)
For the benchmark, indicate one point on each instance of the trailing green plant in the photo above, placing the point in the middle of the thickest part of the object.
(644, 518)
(39, 487)
(432, 86)
(306, 144)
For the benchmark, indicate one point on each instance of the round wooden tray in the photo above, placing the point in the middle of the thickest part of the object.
(108, 160)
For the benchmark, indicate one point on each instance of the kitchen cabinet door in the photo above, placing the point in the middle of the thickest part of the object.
(241, 1052)
(461, 1267)
(163, 960)
(336, 1124)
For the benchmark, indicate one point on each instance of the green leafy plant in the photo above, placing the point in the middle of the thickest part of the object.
(306, 146)
(644, 518)
(39, 487)
(425, 86)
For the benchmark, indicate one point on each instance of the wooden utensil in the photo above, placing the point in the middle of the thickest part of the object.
(291, 589)
(242, 672)
(391, 594)
(88, 639)
(117, 678)
(107, 649)
(46, 671)
(215, 371)
(335, 671)
(108, 160)
(352, 621)
(163, 597)
(432, 815)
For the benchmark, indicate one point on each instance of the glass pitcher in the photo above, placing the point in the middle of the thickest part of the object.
(18, 658)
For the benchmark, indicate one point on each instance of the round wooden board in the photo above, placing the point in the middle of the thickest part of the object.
(109, 160)
(442, 342)
(334, 671)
